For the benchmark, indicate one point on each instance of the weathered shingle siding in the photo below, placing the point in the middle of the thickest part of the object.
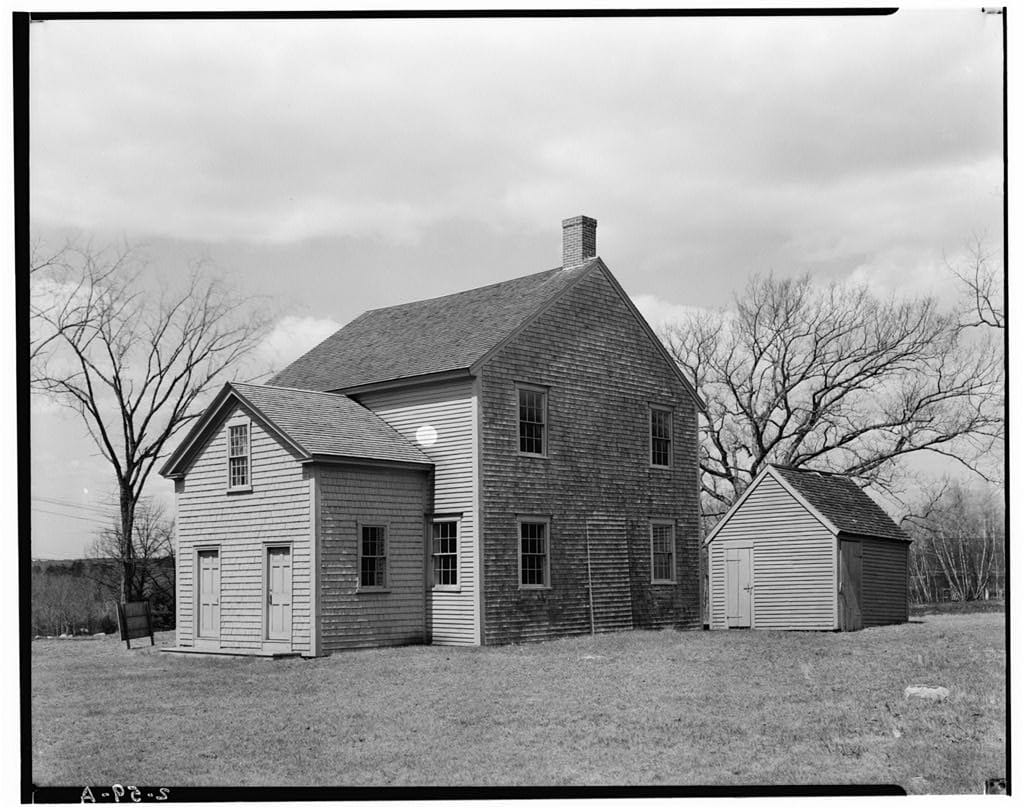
(602, 371)
(884, 586)
(793, 562)
(348, 497)
(241, 525)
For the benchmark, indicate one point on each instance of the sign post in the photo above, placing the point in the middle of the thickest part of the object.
(134, 621)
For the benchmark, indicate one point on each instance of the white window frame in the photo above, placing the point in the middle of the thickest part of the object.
(546, 522)
(672, 551)
(457, 520)
(545, 424)
(373, 524)
(246, 422)
(652, 409)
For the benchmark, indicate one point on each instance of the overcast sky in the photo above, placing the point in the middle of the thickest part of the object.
(343, 165)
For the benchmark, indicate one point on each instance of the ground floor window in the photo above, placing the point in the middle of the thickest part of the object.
(373, 557)
(533, 553)
(663, 552)
(445, 552)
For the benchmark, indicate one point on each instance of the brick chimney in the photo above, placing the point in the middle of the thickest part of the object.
(579, 240)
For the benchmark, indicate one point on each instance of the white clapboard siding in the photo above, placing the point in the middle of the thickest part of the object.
(883, 582)
(450, 410)
(241, 525)
(793, 561)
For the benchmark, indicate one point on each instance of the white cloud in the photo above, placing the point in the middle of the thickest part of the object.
(658, 312)
(292, 337)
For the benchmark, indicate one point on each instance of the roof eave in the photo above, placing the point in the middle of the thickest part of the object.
(432, 378)
(364, 461)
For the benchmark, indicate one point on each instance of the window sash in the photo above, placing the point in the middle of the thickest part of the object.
(238, 455)
(445, 552)
(532, 421)
(663, 552)
(533, 554)
(661, 438)
(373, 557)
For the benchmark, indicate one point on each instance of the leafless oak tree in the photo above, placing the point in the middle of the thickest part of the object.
(833, 378)
(133, 358)
(982, 278)
(152, 548)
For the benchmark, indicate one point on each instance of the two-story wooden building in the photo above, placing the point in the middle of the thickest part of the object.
(508, 463)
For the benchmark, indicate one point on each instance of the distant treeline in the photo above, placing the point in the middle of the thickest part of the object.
(78, 597)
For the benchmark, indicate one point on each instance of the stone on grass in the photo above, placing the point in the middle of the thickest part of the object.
(927, 692)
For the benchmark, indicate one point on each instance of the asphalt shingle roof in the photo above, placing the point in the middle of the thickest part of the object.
(841, 501)
(424, 337)
(330, 424)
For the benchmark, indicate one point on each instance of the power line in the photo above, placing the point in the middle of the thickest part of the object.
(87, 519)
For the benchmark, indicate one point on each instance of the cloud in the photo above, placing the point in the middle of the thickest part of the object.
(292, 337)
(659, 312)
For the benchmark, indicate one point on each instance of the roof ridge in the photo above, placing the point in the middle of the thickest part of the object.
(491, 286)
(808, 469)
(291, 388)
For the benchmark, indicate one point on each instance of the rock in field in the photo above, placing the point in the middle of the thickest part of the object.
(935, 693)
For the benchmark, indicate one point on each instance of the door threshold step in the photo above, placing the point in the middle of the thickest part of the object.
(231, 653)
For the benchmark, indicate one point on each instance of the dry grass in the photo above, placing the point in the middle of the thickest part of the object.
(636, 708)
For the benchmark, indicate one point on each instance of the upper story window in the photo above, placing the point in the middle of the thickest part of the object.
(373, 557)
(534, 570)
(445, 552)
(533, 420)
(661, 437)
(239, 456)
(663, 552)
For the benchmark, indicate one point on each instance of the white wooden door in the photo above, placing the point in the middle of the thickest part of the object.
(738, 586)
(279, 594)
(209, 593)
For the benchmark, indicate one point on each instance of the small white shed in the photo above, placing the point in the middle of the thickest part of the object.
(806, 550)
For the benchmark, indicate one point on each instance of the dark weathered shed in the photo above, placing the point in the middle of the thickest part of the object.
(806, 550)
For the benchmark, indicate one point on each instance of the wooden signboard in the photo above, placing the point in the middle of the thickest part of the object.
(134, 621)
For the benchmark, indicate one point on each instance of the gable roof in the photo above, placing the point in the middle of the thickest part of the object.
(835, 500)
(844, 504)
(315, 424)
(451, 334)
(446, 334)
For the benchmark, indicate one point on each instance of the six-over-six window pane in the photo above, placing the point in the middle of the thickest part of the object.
(533, 549)
(446, 552)
(661, 437)
(373, 557)
(662, 552)
(532, 420)
(238, 456)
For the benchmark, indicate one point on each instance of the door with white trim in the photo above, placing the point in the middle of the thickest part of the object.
(279, 593)
(208, 597)
(738, 586)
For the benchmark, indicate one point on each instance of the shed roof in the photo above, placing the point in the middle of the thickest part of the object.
(842, 502)
(836, 500)
(444, 334)
(314, 423)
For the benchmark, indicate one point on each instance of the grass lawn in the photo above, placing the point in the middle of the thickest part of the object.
(632, 708)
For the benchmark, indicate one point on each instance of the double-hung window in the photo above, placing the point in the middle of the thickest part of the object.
(533, 420)
(373, 557)
(445, 553)
(239, 456)
(663, 552)
(534, 568)
(661, 437)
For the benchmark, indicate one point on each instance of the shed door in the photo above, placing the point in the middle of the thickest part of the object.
(209, 593)
(737, 587)
(850, 557)
(279, 593)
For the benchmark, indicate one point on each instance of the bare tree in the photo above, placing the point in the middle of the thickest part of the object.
(133, 358)
(152, 548)
(833, 378)
(959, 538)
(982, 279)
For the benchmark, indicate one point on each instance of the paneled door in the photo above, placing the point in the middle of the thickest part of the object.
(209, 593)
(738, 586)
(279, 593)
(850, 563)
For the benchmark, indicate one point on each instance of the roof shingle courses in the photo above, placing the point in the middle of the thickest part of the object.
(438, 335)
(330, 424)
(841, 501)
